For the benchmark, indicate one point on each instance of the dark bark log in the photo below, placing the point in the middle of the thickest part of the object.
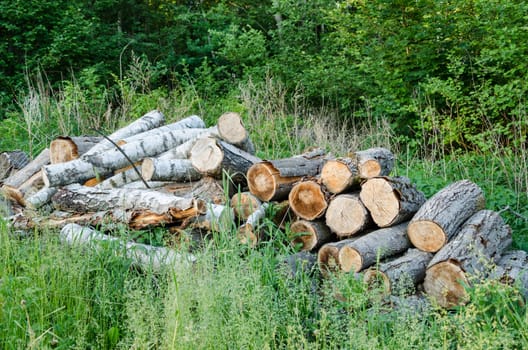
(391, 200)
(10, 162)
(310, 235)
(440, 218)
(480, 243)
(372, 247)
(328, 256)
(297, 264)
(512, 269)
(374, 162)
(29, 170)
(64, 148)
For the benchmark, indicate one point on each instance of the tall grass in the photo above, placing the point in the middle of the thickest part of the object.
(234, 297)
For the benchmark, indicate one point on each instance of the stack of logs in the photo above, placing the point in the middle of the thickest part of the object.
(349, 213)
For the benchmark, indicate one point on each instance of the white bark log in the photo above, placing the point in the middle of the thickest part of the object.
(40, 198)
(192, 122)
(75, 171)
(179, 170)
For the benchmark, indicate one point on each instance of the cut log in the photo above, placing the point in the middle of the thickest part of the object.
(146, 256)
(340, 175)
(400, 275)
(178, 170)
(21, 176)
(212, 157)
(391, 200)
(64, 148)
(244, 204)
(80, 199)
(346, 215)
(310, 235)
(12, 161)
(308, 200)
(75, 171)
(373, 246)
(374, 162)
(481, 241)
(151, 120)
(217, 217)
(232, 130)
(301, 263)
(192, 122)
(119, 180)
(512, 269)
(273, 180)
(137, 150)
(41, 197)
(328, 256)
(437, 221)
(250, 233)
(182, 151)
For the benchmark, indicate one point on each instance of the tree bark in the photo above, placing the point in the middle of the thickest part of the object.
(137, 150)
(146, 256)
(40, 198)
(372, 247)
(346, 215)
(250, 233)
(65, 148)
(179, 170)
(310, 235)
(273, 180)
(400, 275)
(21, 176)
(232, 130)
(244, 204)
(391, 200)
(328, 256)
(481, 241)
(374, 162)
(74, 171)
(512, 269)
(308, 200)
(340, 175)
(119, 180)
(82, 199)
(10, 162)
(151, 120)
(212, 157)
(440, 217)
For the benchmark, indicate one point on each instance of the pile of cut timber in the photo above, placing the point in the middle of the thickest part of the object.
(345, 215)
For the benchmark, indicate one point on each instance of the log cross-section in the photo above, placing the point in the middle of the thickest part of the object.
(310, 235)
(346, 215)
(308, 200)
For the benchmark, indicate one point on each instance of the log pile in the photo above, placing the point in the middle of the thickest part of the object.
(345, 215)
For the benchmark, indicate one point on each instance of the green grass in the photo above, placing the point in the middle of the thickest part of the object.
(59, 297)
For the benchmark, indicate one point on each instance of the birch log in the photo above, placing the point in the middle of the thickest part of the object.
(391, 200)
(212, 157)
(372, 247)
(439, 219)
(65, 148)
(308, 200)
(310, 235)
(374, 162)
(137, 150)
(146, 256)
(12, 161)
(178, 170)
(346, 215)
(480, 243)
(119, 180)
(41, 197)
(400, 275)
(74, 171)
(273, 180)
(232, 130)
(249, 233)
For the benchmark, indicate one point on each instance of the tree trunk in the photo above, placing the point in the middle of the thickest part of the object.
(481, 240)
(182, 151)
(308, 200)
(328, 256)
(75, 171)
(374, 246)
(391, 200)
(346, 215)
(151, 120)
(340, 175)
(40, 198)
(211, 157)
(437, 221)
(232, 130)
(244, 204)
(273, 180)
(374, 162)
(179, 170)
(250, 233)
(137, 150)
(146, 256)
(119, 180)
(81, 199)
(21, 176)
(310, 235)
(400, 275)
(64, 148)
(10, 162)
(512, 269)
